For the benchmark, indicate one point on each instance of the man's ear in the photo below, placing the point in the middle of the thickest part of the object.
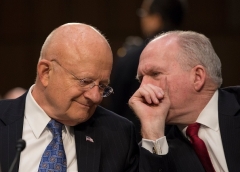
(199, 77)
(43, 69)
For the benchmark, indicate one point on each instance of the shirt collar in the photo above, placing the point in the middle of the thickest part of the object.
(209, 115)
(36, 117)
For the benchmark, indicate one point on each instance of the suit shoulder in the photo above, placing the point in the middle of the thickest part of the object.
(12, 109)
(104, 114)
(106, 122)
(4, 104)
(233, 90)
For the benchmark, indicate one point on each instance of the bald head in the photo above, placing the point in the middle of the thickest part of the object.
(74, 54)
(75, 42)
(73, 37)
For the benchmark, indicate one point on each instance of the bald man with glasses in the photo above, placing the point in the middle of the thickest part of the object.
(60, 119)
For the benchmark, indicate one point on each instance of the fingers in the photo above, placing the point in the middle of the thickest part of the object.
(151, 93)
(151, 104)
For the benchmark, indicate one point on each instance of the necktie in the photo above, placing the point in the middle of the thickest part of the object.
(199, 147)
(54, 158)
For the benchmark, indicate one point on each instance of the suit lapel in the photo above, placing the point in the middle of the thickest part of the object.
(181, 151)
(88, 147)
(12, 113)
(229, 122)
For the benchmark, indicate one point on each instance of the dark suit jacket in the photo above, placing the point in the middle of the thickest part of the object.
(181, 156)
(124, 83)
(114, 148)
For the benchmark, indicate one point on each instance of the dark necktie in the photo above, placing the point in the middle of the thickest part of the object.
(54, 158)
(199, 147)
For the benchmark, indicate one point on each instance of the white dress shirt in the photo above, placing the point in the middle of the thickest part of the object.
(209, 132)
(38, 136)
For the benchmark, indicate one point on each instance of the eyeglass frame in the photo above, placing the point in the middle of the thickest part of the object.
(91, 84)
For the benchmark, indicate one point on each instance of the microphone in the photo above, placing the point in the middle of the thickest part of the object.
(21, 144)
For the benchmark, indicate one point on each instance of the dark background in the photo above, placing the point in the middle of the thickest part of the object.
(24, 25)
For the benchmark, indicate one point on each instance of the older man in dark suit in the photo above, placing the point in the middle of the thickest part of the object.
(180, 76)
(156, 16)
(59, 117)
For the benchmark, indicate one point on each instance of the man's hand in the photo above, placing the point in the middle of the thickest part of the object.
(151, 104)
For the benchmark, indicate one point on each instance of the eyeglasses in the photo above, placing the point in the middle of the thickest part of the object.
(87, 83)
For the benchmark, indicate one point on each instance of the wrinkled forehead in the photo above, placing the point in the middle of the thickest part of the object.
(94, 52)
(86, 46)
(159, 51)
(160, 46)
(151, 50)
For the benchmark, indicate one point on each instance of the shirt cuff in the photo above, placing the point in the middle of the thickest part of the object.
(159, 147)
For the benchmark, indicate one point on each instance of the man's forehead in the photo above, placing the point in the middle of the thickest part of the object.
(158, 54)
(151, 50)
(148, 66)
(164, 39)
(160, 45)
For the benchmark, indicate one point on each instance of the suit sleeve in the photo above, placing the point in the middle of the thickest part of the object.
(141, 160)
(132, 160)
(150, 162)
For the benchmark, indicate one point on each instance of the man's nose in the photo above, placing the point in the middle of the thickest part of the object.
(94, 94)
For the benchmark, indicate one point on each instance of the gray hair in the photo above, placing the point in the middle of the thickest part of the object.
(196, 49)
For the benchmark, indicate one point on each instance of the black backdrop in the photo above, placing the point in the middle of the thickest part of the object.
(24, 26)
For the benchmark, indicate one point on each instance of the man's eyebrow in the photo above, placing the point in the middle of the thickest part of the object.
(105, 81)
